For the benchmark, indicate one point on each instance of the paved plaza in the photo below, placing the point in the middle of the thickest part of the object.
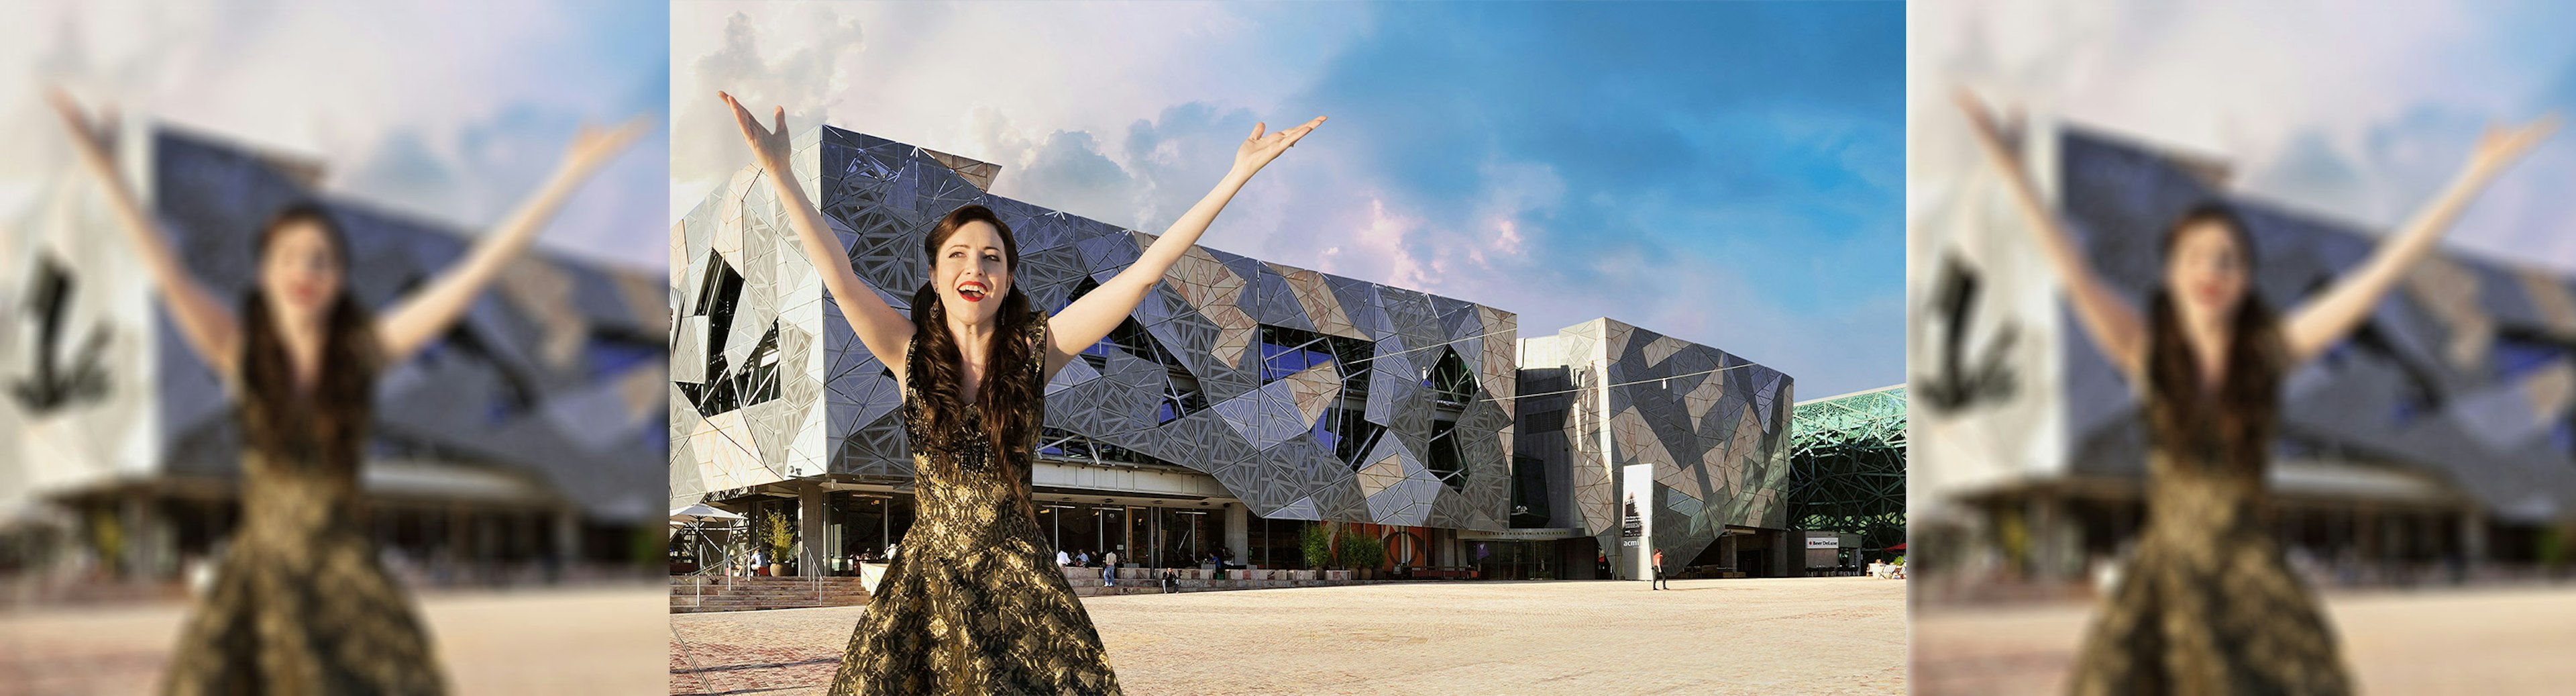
(2493, 641)
(1806, 636)
(560, 641)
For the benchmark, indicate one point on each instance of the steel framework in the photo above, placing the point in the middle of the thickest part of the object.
(1847, 467)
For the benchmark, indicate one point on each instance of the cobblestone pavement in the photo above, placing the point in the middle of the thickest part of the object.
(2497, 641)
(1766, 636)
(557, 641)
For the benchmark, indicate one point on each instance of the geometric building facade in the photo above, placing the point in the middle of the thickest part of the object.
(1242, 400)
(528, 433)
(1715, 427)
(1302, 395)
(2443, 428)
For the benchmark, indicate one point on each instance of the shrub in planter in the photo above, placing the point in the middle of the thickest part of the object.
(1317, 544)
(1364, 553)
(778, 536)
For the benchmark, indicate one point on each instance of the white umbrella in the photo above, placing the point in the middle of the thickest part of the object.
(701, 512)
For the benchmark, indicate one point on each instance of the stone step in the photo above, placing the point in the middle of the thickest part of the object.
(704, 594)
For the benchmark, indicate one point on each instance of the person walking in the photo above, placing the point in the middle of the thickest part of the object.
(1660, 582)
(1109, 569)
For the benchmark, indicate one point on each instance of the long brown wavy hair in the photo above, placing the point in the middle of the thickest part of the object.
(335, 417)
(1011, 433)
(2235, 424)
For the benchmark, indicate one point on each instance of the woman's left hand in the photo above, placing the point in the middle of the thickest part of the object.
(1259, 149)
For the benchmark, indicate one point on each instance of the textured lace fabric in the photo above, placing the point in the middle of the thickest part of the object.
(301, 605)
(2208, 605)
(973, 603)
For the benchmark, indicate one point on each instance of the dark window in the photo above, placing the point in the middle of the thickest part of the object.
(1451, 385)
(1286, 351)
(1348, 433)
(1181, 397)
(730, 387)
(1529, 492)
(612, 355)
(1447, 463)
(1066, 444)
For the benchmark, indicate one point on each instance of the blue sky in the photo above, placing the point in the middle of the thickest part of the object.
(452, 111)
(1729, 173)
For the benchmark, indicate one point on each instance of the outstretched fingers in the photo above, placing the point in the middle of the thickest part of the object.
(2503, 144)
(1299, 133)
(2533, 133)
(595, 144)
(1968, 102)
(70, 112)
(89, 136)
(751, 129)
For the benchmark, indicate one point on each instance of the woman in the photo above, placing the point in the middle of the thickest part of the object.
(971, 606)
(301, 605)
(2208, 605)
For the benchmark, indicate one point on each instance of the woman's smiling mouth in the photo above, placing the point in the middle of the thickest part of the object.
(971, 290)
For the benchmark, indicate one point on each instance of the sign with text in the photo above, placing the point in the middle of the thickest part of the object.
(1637, 518)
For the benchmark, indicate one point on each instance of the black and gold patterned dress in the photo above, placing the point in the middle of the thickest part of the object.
(300, 604)
(972, 602)
(2207, 605)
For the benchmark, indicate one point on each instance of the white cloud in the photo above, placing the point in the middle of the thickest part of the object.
(986, 81)
(450, 110)
(1130, 117)
(2362, 115)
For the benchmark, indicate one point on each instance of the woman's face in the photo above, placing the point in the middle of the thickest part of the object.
(972, 273)
(2207, 269)
(301, 272)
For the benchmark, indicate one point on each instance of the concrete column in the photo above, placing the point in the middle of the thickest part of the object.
(810, 516)
(1781, 548)
(134, 522)
(1238, 537)
(1126, 545)
(460, 536)
(2054, 551)
(567, 528)
(2473, 537)
(2369, 538)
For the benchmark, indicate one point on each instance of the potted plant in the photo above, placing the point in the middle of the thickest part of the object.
(780, 536)
(1317, 544)
(1364, 553)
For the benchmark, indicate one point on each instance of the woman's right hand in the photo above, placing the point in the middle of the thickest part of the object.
(769, 144)
(89, 138)
(1981, 122)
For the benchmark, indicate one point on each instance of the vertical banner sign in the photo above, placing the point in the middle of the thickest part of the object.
(1637, 519)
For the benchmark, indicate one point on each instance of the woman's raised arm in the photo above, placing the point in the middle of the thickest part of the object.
(1098, 312)
(416, 319)
(2324, 319)
(204, 320)
(884, 331)
(2114, 325)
